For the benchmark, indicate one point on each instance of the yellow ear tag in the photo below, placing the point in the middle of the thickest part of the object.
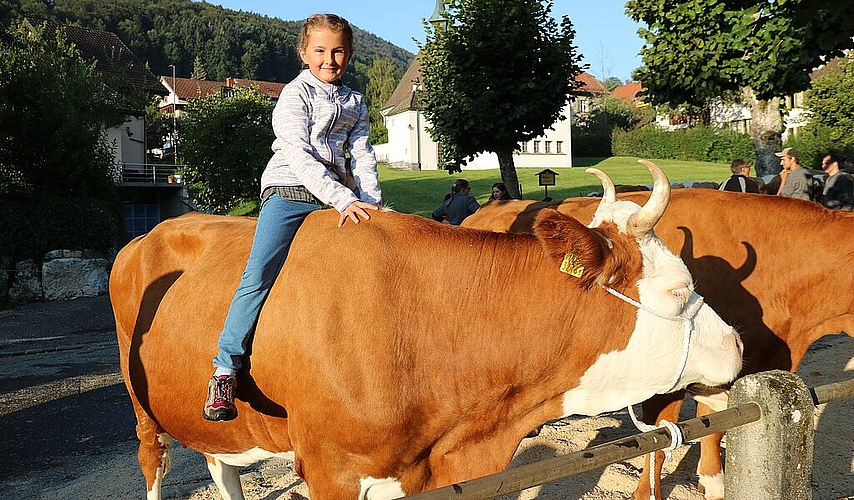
(571, 265)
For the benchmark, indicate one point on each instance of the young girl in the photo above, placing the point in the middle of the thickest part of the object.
(315, 120)
(499, 192)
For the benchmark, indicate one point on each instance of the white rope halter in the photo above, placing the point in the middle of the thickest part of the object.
(687, 319)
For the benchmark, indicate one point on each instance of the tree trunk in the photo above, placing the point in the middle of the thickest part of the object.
(766, 128)
(508, 173)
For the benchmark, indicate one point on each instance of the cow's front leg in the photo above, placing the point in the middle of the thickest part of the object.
(226, 478)
(657, 408)
(710, 468)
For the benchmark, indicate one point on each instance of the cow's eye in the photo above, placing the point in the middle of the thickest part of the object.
(682, 294)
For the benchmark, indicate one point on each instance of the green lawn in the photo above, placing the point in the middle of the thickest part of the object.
(421, 192)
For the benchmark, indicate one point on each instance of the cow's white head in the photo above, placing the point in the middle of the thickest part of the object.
(678, 340)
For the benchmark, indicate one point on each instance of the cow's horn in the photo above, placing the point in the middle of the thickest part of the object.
(642, 221)
(609, 193)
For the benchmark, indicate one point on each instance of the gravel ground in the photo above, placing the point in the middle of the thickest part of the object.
(829, 360)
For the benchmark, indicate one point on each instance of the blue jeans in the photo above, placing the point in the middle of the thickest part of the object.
(278, 222)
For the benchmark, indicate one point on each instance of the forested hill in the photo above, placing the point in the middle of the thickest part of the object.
(202, 39)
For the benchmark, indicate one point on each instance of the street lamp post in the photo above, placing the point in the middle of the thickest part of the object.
(174, 99)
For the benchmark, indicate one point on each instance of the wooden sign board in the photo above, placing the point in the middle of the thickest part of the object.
(547, 177)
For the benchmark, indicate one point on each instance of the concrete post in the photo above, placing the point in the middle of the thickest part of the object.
(771, 458)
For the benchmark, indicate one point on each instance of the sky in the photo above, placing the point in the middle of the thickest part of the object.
(605, 35)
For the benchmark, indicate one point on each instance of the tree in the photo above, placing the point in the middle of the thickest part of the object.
(500, 74)
(697, 51)
(830, 104)
(382, 79)
(591, 134)
(199, 72)
(158, 126)
(225, 144)
(611, 83)
(53, 110)
(230, 43)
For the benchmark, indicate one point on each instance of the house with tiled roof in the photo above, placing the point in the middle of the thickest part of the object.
(182, 90)
(149, 191)
(630, 94)
(411, 147)
(124, 72)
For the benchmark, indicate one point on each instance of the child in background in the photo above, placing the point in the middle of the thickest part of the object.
(499, 192)
(315, 120)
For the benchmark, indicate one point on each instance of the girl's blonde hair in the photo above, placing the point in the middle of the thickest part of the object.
(325, 21)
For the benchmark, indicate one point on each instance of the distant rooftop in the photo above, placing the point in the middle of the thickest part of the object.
(112, 57)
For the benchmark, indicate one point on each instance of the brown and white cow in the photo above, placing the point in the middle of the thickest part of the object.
(777, 269)
(366, 362)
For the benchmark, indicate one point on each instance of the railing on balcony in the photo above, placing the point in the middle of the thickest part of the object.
(150, 174)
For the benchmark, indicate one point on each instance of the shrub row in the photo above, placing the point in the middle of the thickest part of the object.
(814, 143)
(689, 144)
(34, 226)
(591, 144)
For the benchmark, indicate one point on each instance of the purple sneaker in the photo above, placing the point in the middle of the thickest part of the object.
(220, 403)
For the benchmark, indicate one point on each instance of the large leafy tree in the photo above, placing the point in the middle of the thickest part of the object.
(225, 145)
(697, 51)
(830, 103)
(499, 74)
(53, 110)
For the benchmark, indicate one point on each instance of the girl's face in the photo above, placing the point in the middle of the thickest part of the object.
(326, 54)
(496, 193)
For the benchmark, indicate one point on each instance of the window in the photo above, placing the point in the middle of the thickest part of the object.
(536, 147)
(140, 218)
(524, 147)
(548, 147)
(583, 106)
(559, 147)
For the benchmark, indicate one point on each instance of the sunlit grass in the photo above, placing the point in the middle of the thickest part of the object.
(420, 192)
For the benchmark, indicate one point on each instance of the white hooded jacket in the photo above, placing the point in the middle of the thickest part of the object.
(315, 122)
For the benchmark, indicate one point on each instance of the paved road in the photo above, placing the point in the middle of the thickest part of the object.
(66, 423)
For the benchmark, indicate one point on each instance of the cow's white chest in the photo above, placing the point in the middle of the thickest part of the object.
(380, 489)
(617, 379)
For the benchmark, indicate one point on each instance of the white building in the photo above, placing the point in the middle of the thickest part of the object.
(411, 147)
(736, 116)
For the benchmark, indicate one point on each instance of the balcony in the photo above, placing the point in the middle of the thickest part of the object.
(150, 174)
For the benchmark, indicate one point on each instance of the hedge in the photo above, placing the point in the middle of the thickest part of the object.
(32, 227)
(688, 144)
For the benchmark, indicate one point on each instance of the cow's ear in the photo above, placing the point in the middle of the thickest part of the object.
(577, 250)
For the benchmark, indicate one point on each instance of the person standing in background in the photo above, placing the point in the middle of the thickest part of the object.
(838, 189)
(794, 179)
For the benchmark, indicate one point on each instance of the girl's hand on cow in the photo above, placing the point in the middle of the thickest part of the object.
(356, 211)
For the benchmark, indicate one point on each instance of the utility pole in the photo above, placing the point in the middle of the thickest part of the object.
(174, 99)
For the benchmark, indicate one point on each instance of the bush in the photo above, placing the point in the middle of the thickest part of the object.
(34, 226)
(589, 144)
(817, 141)
(689, 144)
